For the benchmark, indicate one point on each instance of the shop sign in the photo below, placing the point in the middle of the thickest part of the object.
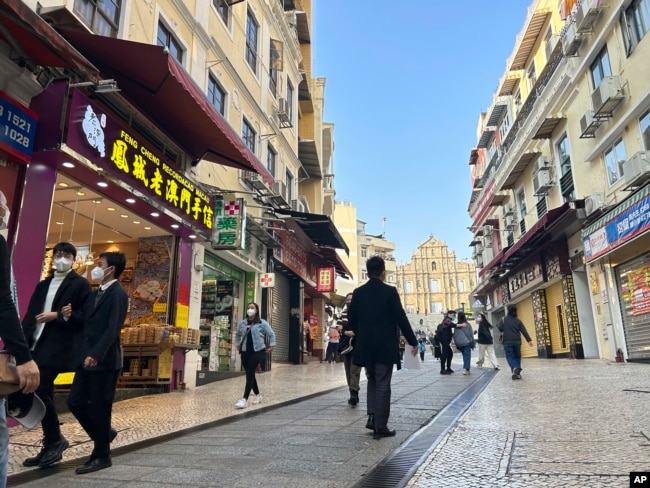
(250, 287)
(525, 279)
(625, 226)
(267, 280)
(325, 280)
(229, 227)
(291, 253)
(122, 152)
(17, 128)
(222, 267)
(637, 290)
(182, 315)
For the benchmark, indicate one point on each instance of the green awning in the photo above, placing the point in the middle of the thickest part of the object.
(616, 211)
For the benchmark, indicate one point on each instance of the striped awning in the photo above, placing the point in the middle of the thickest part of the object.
(616, 211)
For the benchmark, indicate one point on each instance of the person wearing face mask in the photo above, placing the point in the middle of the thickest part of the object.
(485, 342)
(52, 326)
(99, 360)
(251, 336)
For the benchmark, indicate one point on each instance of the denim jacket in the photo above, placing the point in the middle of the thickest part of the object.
(258, 332)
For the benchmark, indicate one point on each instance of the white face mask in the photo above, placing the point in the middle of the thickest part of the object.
(62, 264)
(97, 274)
(251, 312)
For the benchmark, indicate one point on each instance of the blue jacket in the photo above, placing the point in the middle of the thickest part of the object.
(258, 331)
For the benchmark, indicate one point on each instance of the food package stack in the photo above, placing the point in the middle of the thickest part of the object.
(193, 336)
(165, 364)
(134, 367)
(142, 334)
(150, 334)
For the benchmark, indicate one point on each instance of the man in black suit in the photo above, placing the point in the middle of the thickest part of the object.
(52, 326)
(376, 316)
(100, 360)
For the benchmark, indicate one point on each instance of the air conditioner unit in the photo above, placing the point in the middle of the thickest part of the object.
(487, 230)
(488, 254)
(292, 18)
(586, 15)
(589, 125)
(571, 40)
(508, 210)
(280, 189)
(283, 113)
(607, 96)
(594, 202)
(487, 241)
(479, 261)
(542, 165)
(297, 206)
(637, 169)
(478, 249)
(542, 182)
(510, 221)
(256, 181)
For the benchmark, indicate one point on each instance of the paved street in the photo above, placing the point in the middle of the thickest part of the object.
(567, 423)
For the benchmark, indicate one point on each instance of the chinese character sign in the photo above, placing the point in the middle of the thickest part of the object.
(229, 226)
(325, 279)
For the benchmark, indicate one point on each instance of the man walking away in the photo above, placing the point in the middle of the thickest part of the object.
(376, 317)
(512, 329)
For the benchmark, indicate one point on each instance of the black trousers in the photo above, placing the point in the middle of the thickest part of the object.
(91, 402)
(250, 360)
(50, 422)
(379, 377)
(445, 358)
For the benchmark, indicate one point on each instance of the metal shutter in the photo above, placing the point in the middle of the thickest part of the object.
(631, 279)
(525, 314)
(280, 317)
(555, 299)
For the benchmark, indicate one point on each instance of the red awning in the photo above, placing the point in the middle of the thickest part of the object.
(35, 40)
(154, 82)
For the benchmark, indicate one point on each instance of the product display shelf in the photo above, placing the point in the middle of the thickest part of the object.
(146, 365)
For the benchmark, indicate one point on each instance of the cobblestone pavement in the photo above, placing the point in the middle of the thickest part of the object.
(567, 423)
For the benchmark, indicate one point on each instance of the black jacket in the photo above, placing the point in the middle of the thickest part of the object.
(445, 333)
(484, 333)
(10, 329)
(376, 316)
(513, 329)
(59, 340)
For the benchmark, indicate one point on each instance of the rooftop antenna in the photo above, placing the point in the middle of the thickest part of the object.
(383, 227)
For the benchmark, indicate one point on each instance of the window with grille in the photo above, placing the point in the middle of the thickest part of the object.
(102, 18)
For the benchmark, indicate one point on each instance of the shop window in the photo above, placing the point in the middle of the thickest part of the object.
(102, 18)
(614, 159)
(252, 29)
(635, 24)
(248, 135)
(216, 95)
(223, 9)
(167, 39)
(271, 158)
(600, 68)
(644, 125)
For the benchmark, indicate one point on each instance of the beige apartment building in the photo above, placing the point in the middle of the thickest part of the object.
(434, 281)
(560, 202)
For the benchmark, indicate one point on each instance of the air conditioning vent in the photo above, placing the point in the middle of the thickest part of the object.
(586, 15)
(510, 221)
(542, 182)
(571, 41)
(297, 206)
(488, 230)
(594, 202)
(607, 96)
(479, 260)
(487, 241)
(637, 169)
(280, 194)
(256, 181)
(543, 164)
(478, 249)
(283, 113)
(508, 210)
(589, 125)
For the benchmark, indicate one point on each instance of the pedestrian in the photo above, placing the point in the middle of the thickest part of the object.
(376, 317)
(485, 342)
(333, 337)
(14, 340)
(251, 342)
(464, 340)
(100, 359)
(53, 337)
(435, 345)
(512, 329)
(346, 347)
(402, 346)
(445, 332)
(422, 349)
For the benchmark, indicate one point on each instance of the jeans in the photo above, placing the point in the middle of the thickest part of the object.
(4, 444)
(332, 351)
(467, 356)
(513, 355)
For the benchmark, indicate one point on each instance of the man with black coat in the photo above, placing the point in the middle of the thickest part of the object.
(445, 333)
(53, 337)
(376, 317)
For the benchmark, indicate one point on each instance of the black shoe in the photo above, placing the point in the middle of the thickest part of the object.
(30, 462)
(94, 465)
(370, 424)
(354, 398)
(445, 372)
(53, 453)
(449, 370)
(383, 432)
(113, 435)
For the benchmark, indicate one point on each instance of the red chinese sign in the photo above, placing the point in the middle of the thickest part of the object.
(325, 280)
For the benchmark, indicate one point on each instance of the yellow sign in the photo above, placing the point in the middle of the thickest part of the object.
(182, 315)
(159, 307)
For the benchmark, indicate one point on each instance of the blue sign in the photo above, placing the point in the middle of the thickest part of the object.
(17, 128)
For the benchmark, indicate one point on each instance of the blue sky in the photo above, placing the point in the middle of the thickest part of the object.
(406, 82)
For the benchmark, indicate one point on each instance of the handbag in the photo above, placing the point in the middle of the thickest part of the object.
(9, 380)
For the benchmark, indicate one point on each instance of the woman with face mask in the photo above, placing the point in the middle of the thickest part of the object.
(485, 342)
(251, 342)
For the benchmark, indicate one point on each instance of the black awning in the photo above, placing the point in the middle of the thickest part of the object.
(257, 231)
(319, 228)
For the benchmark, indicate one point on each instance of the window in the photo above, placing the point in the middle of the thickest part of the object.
(644, 124)
(290, 100)
(461, 285)
(600, 67)
(251, 41)
(216, 95)
(635, 23)
(274, 66)
(248, 135)
(517, 102)
(451, 283)
(436, 307)
(614, 159)
(504, 128)
(223, 9)
(167, 39)
(564, 154)
(101, 17)
(271, 158)
(435, 286)
(391, 279)
(364, 275)
(532, 76)
(364, 253)
(433, 266)
(289, 182)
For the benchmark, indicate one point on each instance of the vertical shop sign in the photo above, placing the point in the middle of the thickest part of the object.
(229, 226)
(17, 128)
(325, 280)
(250, 288)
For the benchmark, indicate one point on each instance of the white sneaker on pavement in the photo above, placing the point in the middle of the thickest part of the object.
(466, 371)
(241, 403)
(257, 399)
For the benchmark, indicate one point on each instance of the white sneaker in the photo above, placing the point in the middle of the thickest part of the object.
(466, 371)
(257, 399)
(241, 403)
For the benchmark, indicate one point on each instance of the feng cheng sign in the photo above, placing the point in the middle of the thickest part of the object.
(124, 153)
(229, 228)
